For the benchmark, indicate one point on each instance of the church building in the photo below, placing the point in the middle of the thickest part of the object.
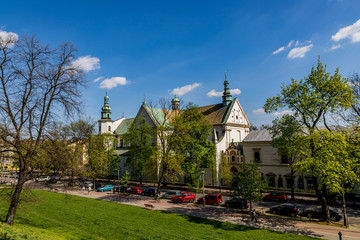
(230, 127)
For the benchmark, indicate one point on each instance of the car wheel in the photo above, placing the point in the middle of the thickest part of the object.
(272, 211)
(332, 218)
(309, 215)
(178, 201)
(102, 190)
(293, 214)
(216, 204)
(191, 200)
(227, 205)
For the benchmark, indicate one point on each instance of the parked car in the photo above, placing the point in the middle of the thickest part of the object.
(54, 179)
(105, 188)
(170, 194)
(14, 175)
(136, 190)
(275, 196)
(316, 212)
(42, 179)
(86, 184)
(149, 192)
(285, 209)
(185, 197)
(236, 202)
(211, 199)
(121, 188)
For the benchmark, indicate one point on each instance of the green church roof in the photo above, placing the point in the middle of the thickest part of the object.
(124, 126)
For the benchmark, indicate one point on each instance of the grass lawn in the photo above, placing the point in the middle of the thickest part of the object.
(47, 215)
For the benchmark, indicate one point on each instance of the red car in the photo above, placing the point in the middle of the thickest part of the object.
(136, 190)
(211, 199)
(275, 196)
(185, 197)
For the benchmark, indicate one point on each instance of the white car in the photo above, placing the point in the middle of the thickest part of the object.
(42, 179)
(170, 194)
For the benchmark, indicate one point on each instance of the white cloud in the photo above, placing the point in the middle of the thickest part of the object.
(8, 39)
(110, 83)
(214, 93)
(259, 111)
(279, 50)
(185, 89)
(299, 52)
(333, 47)
(87, 63)
(235, 91)
(98, 79)
(352, 32)
(277, 114)
(290, 43)
(297, 43)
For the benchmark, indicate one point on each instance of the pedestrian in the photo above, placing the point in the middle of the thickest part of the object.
(83, 188)
(253, 215)
(89, 190)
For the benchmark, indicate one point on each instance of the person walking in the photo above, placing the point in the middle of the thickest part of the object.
(253, 215)
(89, 190)
(83, 188)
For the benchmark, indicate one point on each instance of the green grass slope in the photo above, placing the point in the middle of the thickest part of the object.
(47, 215)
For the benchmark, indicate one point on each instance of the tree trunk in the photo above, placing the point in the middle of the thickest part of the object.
(15, 199)
(322, 199)
(346, 223)
(292, 185)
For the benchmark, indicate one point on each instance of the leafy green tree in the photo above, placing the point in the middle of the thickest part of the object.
(285, 132)
(312, 99)
(353, 114)
(248, 184)
(224, 171)
(141, 142)
(192, 131)
(334, 159)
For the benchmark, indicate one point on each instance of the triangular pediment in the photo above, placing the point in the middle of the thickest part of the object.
(235, 114)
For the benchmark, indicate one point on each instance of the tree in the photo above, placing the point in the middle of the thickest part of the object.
(192, 131)
(335, 160)
(312, 99)
(141, 142)
(164, 163)
(353, 114)
(101, 153)
(224, 171)
(248, 184)
(35, 83)
(285, 132)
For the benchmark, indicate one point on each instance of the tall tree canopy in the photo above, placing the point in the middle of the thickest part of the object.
(312, 99)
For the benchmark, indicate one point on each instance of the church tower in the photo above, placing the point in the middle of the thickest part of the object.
(105, 123)
(226, 95)
(175, 103)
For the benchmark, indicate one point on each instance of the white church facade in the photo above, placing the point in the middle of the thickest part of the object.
(230, 134)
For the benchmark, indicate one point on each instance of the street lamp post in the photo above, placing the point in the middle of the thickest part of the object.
(203, 188)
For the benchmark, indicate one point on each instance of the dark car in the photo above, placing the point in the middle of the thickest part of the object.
(275, 197)
(236, 203)
(122, 189)
(211, 199)
(149, 192)
(285, 209)
(316, 212)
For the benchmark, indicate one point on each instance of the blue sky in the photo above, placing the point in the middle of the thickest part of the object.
(155, 48)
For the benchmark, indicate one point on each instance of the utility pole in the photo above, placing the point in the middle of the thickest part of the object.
(119, 179)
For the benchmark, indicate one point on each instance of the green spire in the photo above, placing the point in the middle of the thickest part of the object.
(226, 95)
(144, 102)
(175, 102)
(106, 110)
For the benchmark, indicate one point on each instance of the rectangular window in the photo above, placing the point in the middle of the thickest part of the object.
(257, 156)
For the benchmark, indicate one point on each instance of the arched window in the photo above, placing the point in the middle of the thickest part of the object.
(233, 158)
(109, 128)
(234, 170)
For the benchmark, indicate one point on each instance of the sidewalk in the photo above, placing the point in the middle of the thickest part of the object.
(230, 215)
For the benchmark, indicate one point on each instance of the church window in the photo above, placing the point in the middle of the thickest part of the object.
(109, 128)
(233, 158)
(257, 156)
(234, 170)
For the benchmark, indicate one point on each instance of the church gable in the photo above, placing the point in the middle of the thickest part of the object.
(235, 114)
